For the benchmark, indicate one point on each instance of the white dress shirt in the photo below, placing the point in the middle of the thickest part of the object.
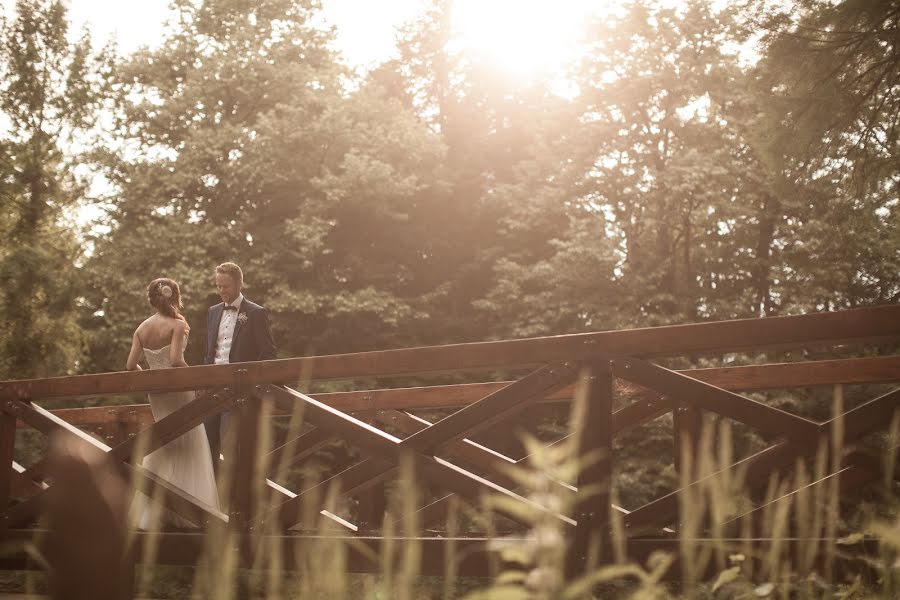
(226, 331)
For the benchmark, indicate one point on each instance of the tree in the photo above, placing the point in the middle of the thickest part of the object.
(829, 75)
(49, 93)
(633, 209)
(244, 143)
(488, 122)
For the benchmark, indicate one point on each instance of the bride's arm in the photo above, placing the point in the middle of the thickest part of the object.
(179, 341)
(135, 354)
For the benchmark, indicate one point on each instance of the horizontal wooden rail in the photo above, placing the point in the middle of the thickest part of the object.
(848, 371)
(856, 325)
(874, 415)
(470, 556)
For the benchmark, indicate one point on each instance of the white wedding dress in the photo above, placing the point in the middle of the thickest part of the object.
(185, 462)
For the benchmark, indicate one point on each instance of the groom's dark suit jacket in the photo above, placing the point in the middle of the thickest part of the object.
(252, 339)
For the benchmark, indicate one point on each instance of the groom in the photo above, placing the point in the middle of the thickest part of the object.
(237, 330)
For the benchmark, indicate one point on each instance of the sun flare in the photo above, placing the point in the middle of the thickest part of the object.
(522, 36)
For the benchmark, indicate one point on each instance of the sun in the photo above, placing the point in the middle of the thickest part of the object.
(522, 37)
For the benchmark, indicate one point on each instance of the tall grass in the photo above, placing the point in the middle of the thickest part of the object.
(796, 555)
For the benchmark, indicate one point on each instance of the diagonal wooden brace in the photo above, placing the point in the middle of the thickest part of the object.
(624, 419)
(473, 418)
(474, 453)
(173, 426)
(494, 408)
(298, 448)
(149, 439)
(859, 469)
(867, 418)
(174, 498)
(375, 440)
(709, 397)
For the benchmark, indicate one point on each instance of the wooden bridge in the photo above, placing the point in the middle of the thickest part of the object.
(625, 387)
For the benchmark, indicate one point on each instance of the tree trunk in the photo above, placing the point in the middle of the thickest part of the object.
(762, 281)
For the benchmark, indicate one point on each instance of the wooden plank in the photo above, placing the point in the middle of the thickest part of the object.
(174, 425)
(372, 507)
(475, 418)
(467, 421)
(664, 510)
(871, 416)
(157, 434)
(881, 369)
(279, 493)
(469, 452)
(593, 429)
(624, 419)
(867, 418)
(129, 414)
(386, 448)
(245, 480)
(848, 371)
(723, 402)
(641, 411)
(298, 449)
(864, 324)
(7, 449)
(173, 498)
(30, 479)
(857, 472)
(473, 553)
(372, 502)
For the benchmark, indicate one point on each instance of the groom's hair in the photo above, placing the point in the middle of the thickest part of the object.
(233, 271)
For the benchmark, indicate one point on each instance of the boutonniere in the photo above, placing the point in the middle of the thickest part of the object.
(242, 317)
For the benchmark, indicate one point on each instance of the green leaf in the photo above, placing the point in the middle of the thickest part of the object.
(726, 577)
(511, 577)
(500, 592)
(850, 540)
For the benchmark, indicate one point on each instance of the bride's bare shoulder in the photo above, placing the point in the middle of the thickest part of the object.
(144, 326)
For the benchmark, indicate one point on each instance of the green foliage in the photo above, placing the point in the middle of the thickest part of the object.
(254, 152)
(828, 74)
(436, 199)
(51, 90)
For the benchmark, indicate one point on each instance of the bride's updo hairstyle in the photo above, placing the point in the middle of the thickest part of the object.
(164, 296)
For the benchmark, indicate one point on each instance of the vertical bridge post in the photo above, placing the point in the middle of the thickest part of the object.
(248, 482)
(7, 448)
(594, 432)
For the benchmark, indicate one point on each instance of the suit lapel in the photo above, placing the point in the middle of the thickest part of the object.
(238, 327)
(213, 333)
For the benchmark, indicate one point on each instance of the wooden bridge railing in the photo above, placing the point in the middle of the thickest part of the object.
(613, 366)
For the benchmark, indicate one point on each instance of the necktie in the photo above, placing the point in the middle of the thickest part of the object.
(229, 307)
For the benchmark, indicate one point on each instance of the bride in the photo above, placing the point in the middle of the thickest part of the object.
(185, 462)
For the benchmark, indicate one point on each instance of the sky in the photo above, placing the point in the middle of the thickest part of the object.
(522, 36)
(365, 27)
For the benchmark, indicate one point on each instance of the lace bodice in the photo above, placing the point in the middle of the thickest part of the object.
(158, 359)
